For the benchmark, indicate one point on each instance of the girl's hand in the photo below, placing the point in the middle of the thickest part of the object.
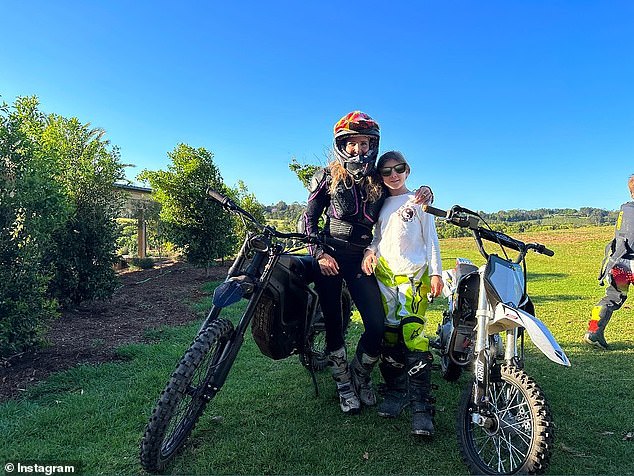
(436, 285)
(369, 262)
(328, 265)
(423, 196)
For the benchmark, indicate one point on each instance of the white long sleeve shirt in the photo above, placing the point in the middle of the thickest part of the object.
(406, 237)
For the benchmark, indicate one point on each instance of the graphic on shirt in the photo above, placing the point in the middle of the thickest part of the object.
(406, 213)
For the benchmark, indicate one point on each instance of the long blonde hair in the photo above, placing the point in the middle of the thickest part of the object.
(372, 186)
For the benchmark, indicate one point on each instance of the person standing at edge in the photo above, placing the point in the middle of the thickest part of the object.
(618, 269)
(351, 194)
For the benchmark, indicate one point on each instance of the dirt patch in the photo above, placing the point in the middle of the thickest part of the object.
(146, 299)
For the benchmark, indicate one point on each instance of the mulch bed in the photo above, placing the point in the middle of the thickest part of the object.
(145, 299)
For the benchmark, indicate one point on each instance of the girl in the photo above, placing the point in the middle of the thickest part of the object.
(405, 257)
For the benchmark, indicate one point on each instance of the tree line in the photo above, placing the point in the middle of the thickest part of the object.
(285, 216)
(58, 211)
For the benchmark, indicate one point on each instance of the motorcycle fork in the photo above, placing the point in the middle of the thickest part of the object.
(511, 354)
(236, 339)
(484, 358)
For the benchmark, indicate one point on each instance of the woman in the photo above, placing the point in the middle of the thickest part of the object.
(351, 194)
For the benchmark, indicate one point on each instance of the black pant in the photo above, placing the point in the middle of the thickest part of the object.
(365, 294)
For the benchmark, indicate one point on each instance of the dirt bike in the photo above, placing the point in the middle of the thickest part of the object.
(504, 423)
(285, 317)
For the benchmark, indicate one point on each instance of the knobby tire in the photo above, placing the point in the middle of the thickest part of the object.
(184, 398)
(522, 439)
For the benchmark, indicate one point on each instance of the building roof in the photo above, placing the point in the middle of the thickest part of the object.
(133, 188)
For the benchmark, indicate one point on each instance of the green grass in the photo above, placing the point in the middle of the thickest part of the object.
(267, 419)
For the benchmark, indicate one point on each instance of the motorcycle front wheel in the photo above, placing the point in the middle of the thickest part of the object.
(513, 433)
(184, 398)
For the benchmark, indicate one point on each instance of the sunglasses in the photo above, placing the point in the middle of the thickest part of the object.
(398, 168)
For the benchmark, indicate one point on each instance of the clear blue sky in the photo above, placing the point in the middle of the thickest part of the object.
(497, 104)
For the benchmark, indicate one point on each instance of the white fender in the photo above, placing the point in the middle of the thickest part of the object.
(449, 280)
(506, 317)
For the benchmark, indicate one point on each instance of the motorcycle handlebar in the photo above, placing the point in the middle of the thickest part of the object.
(226, 202)
(538, 247)
(435, 211)
(465, 218)
(230, 205)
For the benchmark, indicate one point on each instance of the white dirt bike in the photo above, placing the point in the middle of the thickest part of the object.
(504, 423)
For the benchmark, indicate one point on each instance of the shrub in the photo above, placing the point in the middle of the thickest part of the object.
(192, 221)
(31, 207)
(85, 247)
(57, 219)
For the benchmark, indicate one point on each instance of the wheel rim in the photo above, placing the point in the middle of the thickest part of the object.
(190, 404)
(504, 441)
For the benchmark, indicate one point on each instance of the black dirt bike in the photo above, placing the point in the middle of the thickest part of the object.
(285, 316)
(504, 423)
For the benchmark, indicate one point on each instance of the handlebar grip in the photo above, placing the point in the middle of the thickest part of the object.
(221, 199)
(217, 197)
(435, 211)
(545, 251)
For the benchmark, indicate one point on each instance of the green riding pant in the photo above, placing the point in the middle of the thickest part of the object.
(405, 302)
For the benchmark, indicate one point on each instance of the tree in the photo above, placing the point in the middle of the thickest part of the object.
(240, 194)
(193, 222)
(31, 206)
(304, 172)
(85, 246)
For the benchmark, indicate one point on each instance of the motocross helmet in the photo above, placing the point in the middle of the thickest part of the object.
(356, 123)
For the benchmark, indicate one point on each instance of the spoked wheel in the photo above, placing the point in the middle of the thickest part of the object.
(316, 351)
(513, 434)
(184, 398)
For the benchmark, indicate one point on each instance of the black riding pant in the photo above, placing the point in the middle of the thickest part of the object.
(365, 294)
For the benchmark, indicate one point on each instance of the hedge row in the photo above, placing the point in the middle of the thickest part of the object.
(57, 219)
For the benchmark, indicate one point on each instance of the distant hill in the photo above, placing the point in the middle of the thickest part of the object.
(584, 215)
(284, 217)
(537, 220)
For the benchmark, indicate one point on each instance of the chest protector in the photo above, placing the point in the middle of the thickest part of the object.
(622, 246)
(352, 205)
(350, 215)
(625, 223)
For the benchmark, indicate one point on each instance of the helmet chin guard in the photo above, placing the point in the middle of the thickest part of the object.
(353, 124)
(358, 166)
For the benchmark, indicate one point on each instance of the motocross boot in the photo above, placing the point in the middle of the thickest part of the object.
(395, 395)
(348, 399)
(596, 327)
(361, 371)
(419, 380)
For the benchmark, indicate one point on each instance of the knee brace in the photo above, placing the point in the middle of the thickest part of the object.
(413, 336)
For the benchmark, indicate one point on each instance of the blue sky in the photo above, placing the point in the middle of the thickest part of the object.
(496, 104)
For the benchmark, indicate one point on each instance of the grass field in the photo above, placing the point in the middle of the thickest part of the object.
(267, 419)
